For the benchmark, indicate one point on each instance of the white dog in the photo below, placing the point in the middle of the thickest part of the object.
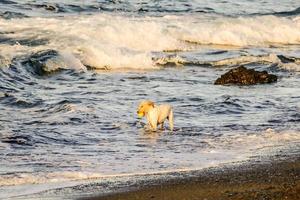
(156, 114)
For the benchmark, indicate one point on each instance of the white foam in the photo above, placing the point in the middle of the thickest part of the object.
(107, 41)
(24, 178)
(4, 62)
(263, 59)
(254, 31)
(256, 141)
(177, 60)
(293, 66)
(240, 146)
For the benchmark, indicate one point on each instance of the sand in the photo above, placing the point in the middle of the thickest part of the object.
(278, 178)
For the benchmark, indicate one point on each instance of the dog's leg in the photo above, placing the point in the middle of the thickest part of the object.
(171, 120)
(152, 122)
(152, 118)
(153, 126)
(162, 126)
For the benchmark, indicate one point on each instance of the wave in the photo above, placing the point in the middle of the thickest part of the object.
(49, 61)
(281, 62)
(233, 142)
(244, 31)
(105, 41)
(11, 14)
(153, 6)
(288, 13)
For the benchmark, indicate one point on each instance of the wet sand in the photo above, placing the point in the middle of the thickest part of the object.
(278, 178)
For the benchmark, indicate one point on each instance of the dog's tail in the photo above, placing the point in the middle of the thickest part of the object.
(171, 120)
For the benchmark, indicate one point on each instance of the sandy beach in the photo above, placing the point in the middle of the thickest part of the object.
(277, 179)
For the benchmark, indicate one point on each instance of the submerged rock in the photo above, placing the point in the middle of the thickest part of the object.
(243, 76)
(49, 7)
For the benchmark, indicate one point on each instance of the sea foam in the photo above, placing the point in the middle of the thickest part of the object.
(108, 41)
(242, 144)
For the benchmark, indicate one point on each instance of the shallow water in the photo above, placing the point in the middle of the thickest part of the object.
(73, 73)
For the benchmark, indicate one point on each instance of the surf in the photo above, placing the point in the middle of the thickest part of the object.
(109, 41)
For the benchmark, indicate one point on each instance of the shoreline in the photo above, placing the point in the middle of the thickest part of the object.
(277, 177)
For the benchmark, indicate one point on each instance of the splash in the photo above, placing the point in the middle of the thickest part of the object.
(250, 31)
(107, 41)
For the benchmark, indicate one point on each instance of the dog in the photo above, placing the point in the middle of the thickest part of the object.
(156, 114)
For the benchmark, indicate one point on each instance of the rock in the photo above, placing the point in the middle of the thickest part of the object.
(243, 76)
(284, 59)
(48, 7)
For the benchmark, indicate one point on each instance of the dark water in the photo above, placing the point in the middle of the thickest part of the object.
(18, 8)
(72, 74)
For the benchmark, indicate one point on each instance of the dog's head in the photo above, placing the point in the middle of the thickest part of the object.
(144, 108)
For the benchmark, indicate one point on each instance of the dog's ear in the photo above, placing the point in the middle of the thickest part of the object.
(151, 103)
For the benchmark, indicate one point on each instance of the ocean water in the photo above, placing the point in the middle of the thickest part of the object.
(73, 72)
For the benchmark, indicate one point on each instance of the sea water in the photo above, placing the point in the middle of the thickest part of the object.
(72, 74)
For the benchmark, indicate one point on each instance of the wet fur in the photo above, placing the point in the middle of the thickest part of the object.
(156, 114)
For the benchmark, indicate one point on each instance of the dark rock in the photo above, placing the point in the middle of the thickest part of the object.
(243, 76)
(49, 7)
(284, 59)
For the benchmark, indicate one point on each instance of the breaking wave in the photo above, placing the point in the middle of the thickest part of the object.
(105, 41)
(291, 64)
